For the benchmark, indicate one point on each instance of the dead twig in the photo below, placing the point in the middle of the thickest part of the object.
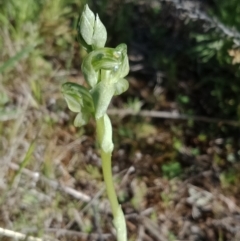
(170, 115)
(64, 232)
(16, 235)
(54, 184)
(153, 229)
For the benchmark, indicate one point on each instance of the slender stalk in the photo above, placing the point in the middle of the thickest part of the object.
(108, 179)
(118, 216)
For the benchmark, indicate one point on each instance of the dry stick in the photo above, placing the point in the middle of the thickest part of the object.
(153, 229)
(170, 115)
(36, 176)
(74, 193)
(54, 184)
(9, 115)
(141, 232)
(16, 235)
(65, 232)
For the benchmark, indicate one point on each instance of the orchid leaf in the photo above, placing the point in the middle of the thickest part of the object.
(81, 119)
(92, 33)
(121, 86)
(124, 67)
(86, 25)
(77, 97)
(100, 34)
(104, 129)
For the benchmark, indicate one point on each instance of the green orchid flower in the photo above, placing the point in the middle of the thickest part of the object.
(104, 70)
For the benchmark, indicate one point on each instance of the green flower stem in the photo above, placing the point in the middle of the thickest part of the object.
(108, 179)
(118, 216)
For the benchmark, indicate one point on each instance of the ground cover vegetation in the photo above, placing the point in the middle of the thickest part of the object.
(175, 130)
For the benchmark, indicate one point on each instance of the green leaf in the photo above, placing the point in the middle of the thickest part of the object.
(81, 119)
(77, 97)
(86, 46)
(4, 99)
(100, 34)
(121, 86)
(10, 63)
(73, 99)
(73, 102)
(124, 67)
(25, 161)
(86, 25)
(92, 33)
(104, 130)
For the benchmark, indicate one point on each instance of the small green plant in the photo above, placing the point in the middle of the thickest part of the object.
(104, 70)
(172, 169)
(228, 178)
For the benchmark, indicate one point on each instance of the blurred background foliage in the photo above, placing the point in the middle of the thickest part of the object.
(184, 57)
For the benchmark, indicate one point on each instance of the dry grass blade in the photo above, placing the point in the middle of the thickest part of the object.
(13, 60)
